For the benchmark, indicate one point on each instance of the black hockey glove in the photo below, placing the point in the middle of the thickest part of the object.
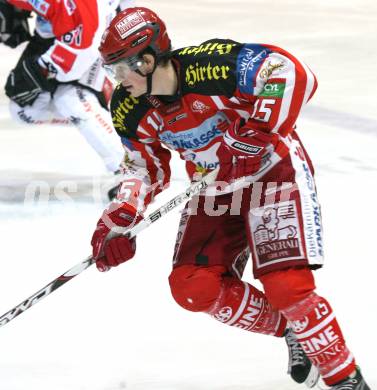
(27, 81)
(14, 27)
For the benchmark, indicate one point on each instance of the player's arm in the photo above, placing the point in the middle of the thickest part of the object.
(14, 27)
(277, 85)
(77, 31)
(279, 90)
(146, 173)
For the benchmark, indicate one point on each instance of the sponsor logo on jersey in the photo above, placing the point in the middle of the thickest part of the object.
(40, 6)
(198, 106)
(195, 73)
(177, 118)
(204, 166)
(312, 217)
(197, 137)
(70, 6)
(209, 48)
(273, 90)
(276, 234)
(93, 72)
(248, 62)
(129, 24)
(271, 67)
(63, 58)
(122, 110)
(204, 160)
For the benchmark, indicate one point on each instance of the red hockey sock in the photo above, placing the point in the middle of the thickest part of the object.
(316, 328)
(242, 305)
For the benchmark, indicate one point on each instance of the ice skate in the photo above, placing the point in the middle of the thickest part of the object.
(300, 367)
(356, 382)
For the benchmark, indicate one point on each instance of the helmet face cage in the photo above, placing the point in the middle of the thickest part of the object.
(120, 70)
(131, 32)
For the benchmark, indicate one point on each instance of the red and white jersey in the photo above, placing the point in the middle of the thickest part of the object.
(77, 26)
(219, 81)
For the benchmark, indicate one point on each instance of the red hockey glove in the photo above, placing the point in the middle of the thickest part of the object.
(241, 150)
(114, 251)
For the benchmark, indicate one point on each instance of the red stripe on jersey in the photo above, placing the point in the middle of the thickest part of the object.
(297, 99)
(298, 92)
(314, 86)
(63, 58)
(163, 157)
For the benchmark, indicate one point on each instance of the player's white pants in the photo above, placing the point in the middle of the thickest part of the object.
(73, 104)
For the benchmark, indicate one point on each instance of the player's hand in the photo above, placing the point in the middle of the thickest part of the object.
(112, 250)
(241, 150)
(14, 28)
(28, 80)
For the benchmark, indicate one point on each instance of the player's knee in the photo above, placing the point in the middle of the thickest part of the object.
(287, 287)
(196, 288)
(70, 102)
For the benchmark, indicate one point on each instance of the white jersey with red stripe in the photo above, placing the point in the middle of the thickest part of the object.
(77, 26)
(219, 81)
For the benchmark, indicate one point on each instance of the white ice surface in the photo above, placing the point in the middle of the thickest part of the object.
(122, 330)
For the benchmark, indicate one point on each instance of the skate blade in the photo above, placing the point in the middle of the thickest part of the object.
(312, 378)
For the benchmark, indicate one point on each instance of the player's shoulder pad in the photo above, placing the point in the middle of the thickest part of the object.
(126, 112)
(209, 68)
(212, 47)
(249, 60)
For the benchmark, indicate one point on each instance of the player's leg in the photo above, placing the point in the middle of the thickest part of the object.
(211, 253)
(286, 241)
(313, 322)
(93, 121)
(41, 112)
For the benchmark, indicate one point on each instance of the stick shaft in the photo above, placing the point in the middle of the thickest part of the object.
(194, 189)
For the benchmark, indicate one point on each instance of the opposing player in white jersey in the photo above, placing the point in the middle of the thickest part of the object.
(59, 78)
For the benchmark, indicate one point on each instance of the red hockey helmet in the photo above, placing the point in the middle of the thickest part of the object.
(131, 32)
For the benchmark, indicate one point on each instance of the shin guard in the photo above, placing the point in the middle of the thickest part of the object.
(316, 328)
(242, 305)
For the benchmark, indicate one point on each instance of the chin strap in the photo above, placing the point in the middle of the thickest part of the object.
(149, 79)
(149, 82)
(149, 76)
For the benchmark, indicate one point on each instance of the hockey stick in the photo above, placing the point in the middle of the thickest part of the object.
(194, 189)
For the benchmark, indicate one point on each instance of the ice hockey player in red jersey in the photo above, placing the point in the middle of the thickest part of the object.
(232, 106)
(58, 78)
